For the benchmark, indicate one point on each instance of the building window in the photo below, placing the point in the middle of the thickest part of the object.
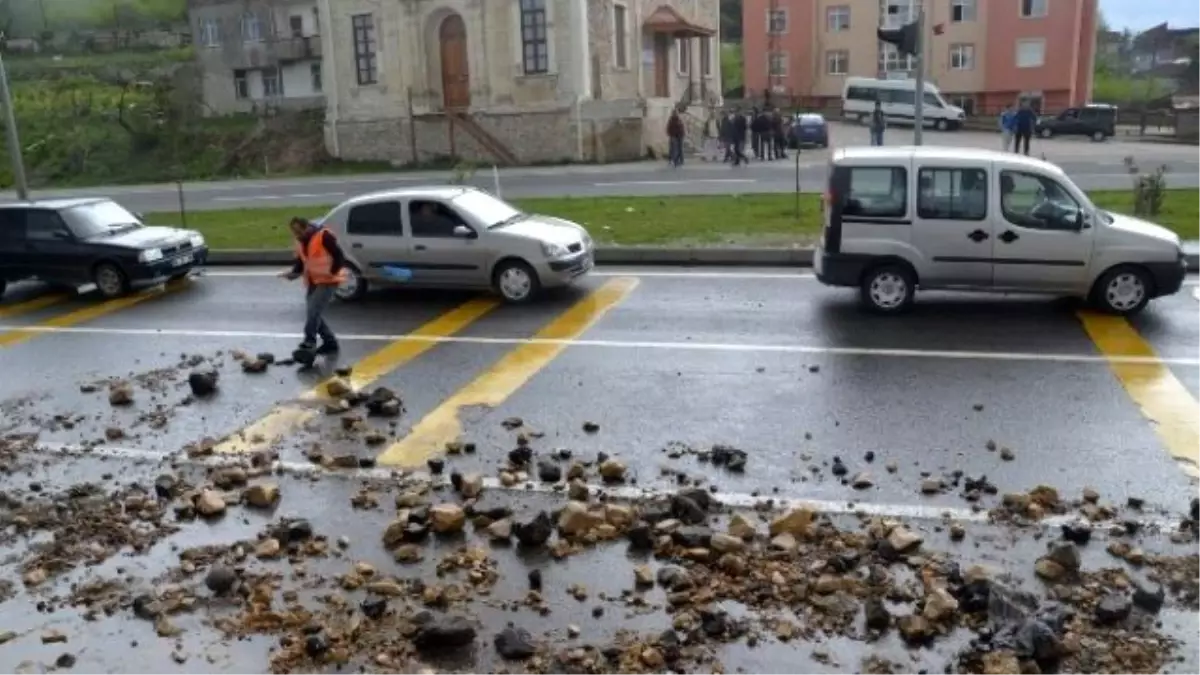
(620, 36)
(777, 64)
(251, 28)
(777, 21)
(837, 62)
(962, 57)
(1031, 53)
(535, 48)
(272, 84)
(296, 23)
(963, 10)
(706, 57)
(314, 70)
(895, 62)
(683, 47)
(837, 18)
(241, 86)
(210, 33)
(363, 26)
(1033, 9)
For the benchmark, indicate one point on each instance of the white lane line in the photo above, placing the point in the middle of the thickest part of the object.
(623, 493)
(791, 276)
(964, 355)
(253, 198)
(664, 274)
(675, 182)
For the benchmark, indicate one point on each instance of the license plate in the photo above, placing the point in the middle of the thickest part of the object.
(182, 260)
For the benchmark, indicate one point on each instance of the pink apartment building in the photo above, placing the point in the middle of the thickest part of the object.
(988, 52)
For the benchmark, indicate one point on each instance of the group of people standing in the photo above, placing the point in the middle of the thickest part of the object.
(725, 136)
(1016, 127)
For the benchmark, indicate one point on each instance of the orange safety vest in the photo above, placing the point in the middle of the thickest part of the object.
(318, 263)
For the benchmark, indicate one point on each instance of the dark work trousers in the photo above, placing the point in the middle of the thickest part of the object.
(319, 297)
(739, 152)
(1023, 136)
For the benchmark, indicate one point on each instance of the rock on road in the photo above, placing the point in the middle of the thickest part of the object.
(792, 462)
(1092, 165)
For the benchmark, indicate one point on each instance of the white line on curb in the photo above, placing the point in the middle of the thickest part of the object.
(634, 344)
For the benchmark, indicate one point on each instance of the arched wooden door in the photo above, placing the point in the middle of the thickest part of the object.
(456, 76)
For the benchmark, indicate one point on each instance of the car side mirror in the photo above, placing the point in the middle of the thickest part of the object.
(464, 232)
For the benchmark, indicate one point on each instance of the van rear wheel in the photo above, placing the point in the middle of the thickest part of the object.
(888, 289)
(942, 125)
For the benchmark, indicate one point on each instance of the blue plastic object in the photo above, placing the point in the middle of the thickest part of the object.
(397, 273)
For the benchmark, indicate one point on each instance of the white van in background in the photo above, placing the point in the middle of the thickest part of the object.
(898, 99)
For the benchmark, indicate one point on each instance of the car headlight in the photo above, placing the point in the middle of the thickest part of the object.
(150, 255)
(553, 250)
(197, 240)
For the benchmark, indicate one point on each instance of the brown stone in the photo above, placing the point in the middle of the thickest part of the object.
(619, 515)
(262, 495)
(784, 542)
(726, 543)
(741, 527)
(407, 553)
(939, 605)
(209, 503)
(385, 587)
(1001, 662)
(795, 522)
(612, 470)
(1048, 569)
(268, 548)
(338, 387)
(500, 530)
(447, 518)
(903, 540)
(575, 519)
(471, 485)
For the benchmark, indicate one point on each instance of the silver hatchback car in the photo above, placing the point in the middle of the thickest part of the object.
(460, 237)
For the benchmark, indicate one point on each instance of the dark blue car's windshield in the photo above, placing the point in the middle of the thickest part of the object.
(811, 120)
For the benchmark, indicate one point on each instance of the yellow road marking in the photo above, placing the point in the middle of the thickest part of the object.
(33, 305)
(1168, 405)
(18, 335)
(505, 376)
(285, 419)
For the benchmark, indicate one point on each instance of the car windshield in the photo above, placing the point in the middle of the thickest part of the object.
(486, 209)
(99, 218)
(811, 120)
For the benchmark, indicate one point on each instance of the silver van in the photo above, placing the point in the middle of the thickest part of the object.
(902, 218)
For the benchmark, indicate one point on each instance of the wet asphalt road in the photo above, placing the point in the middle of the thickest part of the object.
(1094, 166)
(765, 360)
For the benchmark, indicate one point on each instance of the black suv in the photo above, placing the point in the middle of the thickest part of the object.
(1095, 120)
(77, 242)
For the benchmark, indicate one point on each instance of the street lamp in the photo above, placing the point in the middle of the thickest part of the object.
(14, 142)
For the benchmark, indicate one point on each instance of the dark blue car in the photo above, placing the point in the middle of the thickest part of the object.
(809, 129)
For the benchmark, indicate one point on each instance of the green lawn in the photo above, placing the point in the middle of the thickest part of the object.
(748, 220)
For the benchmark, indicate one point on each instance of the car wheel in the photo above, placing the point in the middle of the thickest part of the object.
(1123, 291)
(110, 280)
(1046, 133)
(1098, 136)
(942, 125)
(355, 286)
(516, 281)
(888, 289)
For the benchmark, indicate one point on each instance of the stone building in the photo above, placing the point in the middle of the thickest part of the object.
(514, 81)
(258, 54)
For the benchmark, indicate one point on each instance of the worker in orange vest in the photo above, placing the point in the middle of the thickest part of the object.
(319, 259)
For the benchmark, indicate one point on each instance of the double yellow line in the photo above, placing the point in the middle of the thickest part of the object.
(82, 315)
(441, 425)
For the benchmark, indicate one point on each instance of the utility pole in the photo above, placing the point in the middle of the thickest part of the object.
(772, 49)
(919, 101)
(14, 142)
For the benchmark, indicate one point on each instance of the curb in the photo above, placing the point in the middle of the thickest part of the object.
(617, 255)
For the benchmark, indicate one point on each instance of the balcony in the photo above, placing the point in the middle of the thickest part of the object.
(296, 48)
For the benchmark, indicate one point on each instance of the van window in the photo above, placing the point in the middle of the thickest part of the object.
(1036, 202)
(379, 219)
(931, 100)
(952, 194)
(860, 94)
(877, 192)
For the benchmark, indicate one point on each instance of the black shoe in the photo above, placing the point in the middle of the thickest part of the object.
(328, 348)
(306, 346)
